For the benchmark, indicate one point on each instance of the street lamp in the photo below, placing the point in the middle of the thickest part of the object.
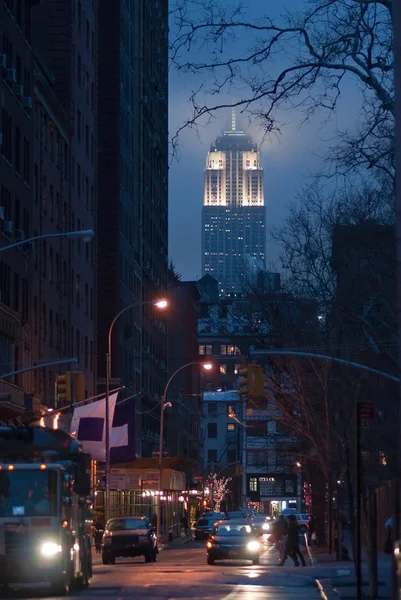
(160, 304)
(207, 367)
(86, 235)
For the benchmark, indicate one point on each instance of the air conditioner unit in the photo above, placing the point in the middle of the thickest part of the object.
(19, 90)
(2, 213)
(27, 102)
(146, 350)
(160, 95)
(3, 60)
(154, 397)
(20, 234)
(7, 226)
(11, 75)
(144, 99)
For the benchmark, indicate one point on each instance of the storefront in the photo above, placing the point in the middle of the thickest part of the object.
(271, 493)
(136, 491)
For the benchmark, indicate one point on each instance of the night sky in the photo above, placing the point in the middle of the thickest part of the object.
(289, 161)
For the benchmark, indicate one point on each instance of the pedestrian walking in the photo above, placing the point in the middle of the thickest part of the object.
(280, 533)
(292, 548)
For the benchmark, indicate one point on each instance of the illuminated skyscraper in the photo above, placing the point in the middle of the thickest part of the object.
(234, 212)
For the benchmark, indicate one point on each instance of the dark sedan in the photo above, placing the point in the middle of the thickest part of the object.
(232, 540)
(128, 536)
(204, 526)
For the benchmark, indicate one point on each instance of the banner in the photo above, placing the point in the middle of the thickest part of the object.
(88, 425)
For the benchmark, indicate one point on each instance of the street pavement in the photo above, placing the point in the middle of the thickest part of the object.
(181, 573)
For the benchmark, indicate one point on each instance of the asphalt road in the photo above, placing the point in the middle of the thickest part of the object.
(182, 574)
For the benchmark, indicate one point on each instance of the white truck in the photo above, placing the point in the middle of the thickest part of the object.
(44, 499)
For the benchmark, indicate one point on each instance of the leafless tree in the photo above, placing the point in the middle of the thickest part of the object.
(301, 61)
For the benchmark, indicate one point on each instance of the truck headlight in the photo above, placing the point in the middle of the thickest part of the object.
(253, 546)
(266, 526)
(50, 549)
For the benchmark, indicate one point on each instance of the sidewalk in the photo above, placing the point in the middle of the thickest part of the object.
(341, 582)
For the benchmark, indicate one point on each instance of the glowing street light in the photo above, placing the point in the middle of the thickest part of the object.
(161, 305)
(207, 366)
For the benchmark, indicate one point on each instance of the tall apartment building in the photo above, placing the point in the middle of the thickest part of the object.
(64, 40)
(45, 288)
(133, 163)
(234, 213)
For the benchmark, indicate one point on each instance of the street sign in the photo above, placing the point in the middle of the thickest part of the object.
(366, 411)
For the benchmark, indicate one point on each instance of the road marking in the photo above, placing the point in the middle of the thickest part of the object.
(233, 593)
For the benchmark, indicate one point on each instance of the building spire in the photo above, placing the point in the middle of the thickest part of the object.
(233, 120)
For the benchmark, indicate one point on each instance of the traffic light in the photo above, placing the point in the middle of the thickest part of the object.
(251, 382)
(63, 389)
(79, 386)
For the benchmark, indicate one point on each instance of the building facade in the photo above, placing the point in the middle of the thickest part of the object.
(233, 213)
(46, 314)
(64, 37)
(132, 180)
(183, 419)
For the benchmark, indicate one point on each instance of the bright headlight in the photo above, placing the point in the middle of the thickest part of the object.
(253, 546)
(50, 549)
(266, 526)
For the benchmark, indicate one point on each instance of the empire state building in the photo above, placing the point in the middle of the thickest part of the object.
(234, 212)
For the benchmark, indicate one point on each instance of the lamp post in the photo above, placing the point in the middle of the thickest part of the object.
(161, 304)
(207, 367)
(85, 234)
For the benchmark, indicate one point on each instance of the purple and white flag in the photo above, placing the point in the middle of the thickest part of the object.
(88, 425)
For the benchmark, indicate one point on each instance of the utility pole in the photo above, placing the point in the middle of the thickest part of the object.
(358, 491)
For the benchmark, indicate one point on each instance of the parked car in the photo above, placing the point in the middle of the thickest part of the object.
(129, 536)
(232, 539)
(303, 521)
(204, 526)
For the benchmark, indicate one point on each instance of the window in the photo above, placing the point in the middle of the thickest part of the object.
(229, 350)
(35, 314)
(212, 430)
(237, 367)
(212, 456)
(79, 120)
(51, 327)
(223, 369)
(17, 150)
(253, 484)
(44, 330)
(211, 408)
(79, 176)
(87, 139)
(78, 344)
(205, 349)
(256, 428)
(27, 152)
(86, 352)
(7, 135)
(79, 70)
(16, 292)
(24, 301)
(230, 427)
(257, 458)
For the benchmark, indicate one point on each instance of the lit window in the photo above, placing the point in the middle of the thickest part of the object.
(223, 369)
(230, 426)
(253, 484)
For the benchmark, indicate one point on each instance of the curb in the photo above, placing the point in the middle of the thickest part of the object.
(174, 544)
(326, 590)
